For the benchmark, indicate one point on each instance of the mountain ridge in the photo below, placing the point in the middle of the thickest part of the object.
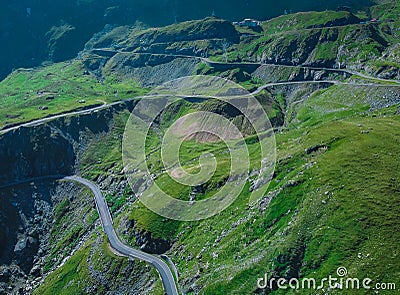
(332, 201)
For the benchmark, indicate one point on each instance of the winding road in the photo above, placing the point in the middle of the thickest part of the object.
(210, 62)
(107, 223)
(111, 52)
(68, 114)
(255, 92)
(101, 204)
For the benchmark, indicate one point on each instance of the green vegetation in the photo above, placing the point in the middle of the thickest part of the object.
(191, 30)
(323, 189)
(386, 11)
(325, 38)
(92, 264)
(69, 278)
(62, 87)
(334, 197)
(148, 221)
(307, 20)
(115, 202)
(314, 207)
(70, 224)
(237, 75)
(105, 154)
(326, 50)
(94, 269)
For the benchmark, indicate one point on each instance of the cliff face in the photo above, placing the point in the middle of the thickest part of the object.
(32, 152)
(27, 209)
(25, 221)
(52, 148)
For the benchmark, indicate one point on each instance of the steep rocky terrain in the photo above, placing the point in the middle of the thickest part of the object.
(27, 211)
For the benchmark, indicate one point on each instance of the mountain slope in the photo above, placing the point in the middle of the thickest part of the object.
(332, 202)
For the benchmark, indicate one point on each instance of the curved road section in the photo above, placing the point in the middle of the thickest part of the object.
(107, 222)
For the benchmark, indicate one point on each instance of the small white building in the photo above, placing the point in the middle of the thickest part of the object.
(248, 22)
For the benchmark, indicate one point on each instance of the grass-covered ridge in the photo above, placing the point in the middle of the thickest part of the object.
(29, 94)
(308, 20)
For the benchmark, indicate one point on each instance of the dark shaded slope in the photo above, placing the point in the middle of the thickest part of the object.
(32, 31)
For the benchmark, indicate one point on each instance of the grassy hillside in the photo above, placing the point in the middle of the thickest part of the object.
(37, 93)
(329, 38)
(334, 197)
(332, 39)
(333, 202)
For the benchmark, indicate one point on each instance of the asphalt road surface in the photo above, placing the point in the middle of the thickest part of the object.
(107, 222)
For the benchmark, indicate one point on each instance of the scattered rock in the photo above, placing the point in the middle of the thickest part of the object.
(317, 148)
(151, 245)
(36, 271)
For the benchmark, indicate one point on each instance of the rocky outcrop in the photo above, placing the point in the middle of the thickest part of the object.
(155, 56)
(346, 19)
(270, 73)
(151, 245)
(32, 152)
(63, 42)
(150, 70)
(26, 210)
(26, 216)
(209, 28)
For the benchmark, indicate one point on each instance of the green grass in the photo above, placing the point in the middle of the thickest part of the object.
(60, 87)
(386, 11)
(105, 153)
(302, 20)
(69, 279)
(115, 202)
(148, 221)
(291, 39)
(94, 264)
(335, 103)
(73, 218)
(326, 51)
(362, 205)
(359, 214)
(335, 191)
(385, 63)
(296, 231)
(70, 224)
